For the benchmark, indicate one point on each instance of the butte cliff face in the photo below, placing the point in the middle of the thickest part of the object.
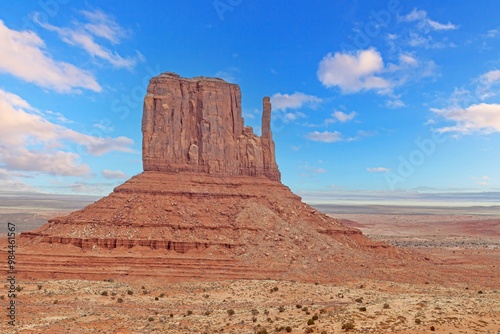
(209, 205)
(196, 125)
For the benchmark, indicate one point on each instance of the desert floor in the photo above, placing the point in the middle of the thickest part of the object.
(467, 240)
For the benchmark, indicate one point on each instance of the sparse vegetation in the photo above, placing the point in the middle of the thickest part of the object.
(120, 300)
(230, 312)
(288, 329)
(130, 292)
(310, 322)
(104, 293)
(347, 326)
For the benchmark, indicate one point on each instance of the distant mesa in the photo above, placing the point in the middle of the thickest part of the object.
(209, 205)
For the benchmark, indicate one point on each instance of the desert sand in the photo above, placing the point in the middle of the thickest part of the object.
(456, 243)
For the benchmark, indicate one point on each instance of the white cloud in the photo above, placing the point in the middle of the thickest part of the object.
(82, 36)
(325, 136)
(483, 118)
(30, 142)
(353, 72)
(23, 54)
(378, 170)
(293, 101)
(344, 117)
(424, 23)
(102, 25)
(488, 81)
(339, 116)
(113, 174)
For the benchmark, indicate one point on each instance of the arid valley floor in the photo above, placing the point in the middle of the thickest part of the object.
(464, 240)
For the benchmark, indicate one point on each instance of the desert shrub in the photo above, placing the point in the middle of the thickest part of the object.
(55, 301)
(151, 319)
(255, 312)
(262, 331)
(230, 312)
(162, 295)
(418, 321)
(171, 315)
(156, 298)
(254, 319)
(386, 306)
(315, 317)
(281, 308)
(309, 330)
(348, 325)
(433, 328)
(40, 286)
(266, 312)
(323, 332)
(362, 309)
(310, 322)
(305, 309)
(19, 289)
(207, 313)
(298, 306)
(322, 311)
(359, 300)
(104, 293)
(130, 292)
(120, 300)
(288, 329)
(189, 312)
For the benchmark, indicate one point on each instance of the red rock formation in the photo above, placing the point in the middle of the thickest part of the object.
(195, 125)
(210, 191)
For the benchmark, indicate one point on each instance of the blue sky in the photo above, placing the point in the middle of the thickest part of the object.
(368, 96)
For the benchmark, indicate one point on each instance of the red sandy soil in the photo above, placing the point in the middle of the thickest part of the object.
(456, 290)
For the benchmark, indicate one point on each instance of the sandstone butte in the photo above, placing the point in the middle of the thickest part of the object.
(208, 205)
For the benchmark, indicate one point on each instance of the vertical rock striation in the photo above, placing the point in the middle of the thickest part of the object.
(196, 125)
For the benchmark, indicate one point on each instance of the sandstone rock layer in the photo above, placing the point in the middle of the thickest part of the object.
(196, 125)
(209, 205)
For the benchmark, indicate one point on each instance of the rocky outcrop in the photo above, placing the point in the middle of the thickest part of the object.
(196, 125)
(209, 205)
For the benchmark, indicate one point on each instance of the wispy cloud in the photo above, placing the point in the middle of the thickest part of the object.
(23, 54)
(26, 136)
(294, 101)
(489, 84)
(426, 24)
(325, 136)
(100, 25)
(378, 170)
(113, 174)
(339, 116)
